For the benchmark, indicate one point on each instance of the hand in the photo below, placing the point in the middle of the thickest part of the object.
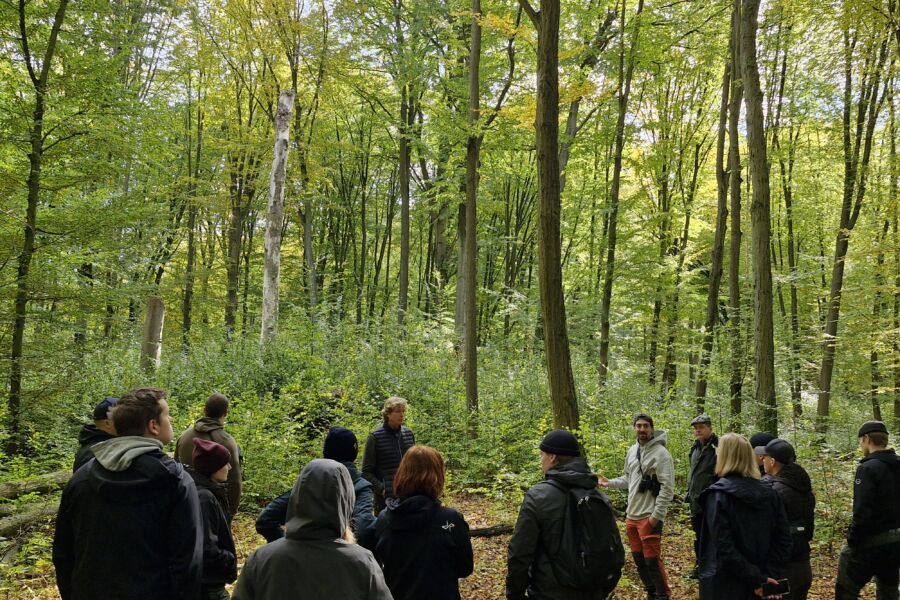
(602, 481)
(759, 591)
(653, 522)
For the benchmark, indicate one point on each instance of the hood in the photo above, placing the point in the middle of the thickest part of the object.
(90, 434)
(207, 425)
(659, 437)
(321, 502)
(117, 454)
(746, 489)
(573, 474)
(129, 467)
(794, 476)
(410, 513)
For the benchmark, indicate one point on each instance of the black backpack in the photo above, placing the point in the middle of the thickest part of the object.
(590, 554)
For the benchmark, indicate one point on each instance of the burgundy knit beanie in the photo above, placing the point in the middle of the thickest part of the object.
(209, 456)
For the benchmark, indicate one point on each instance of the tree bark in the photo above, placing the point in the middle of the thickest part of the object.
(151, 341)
(473, 151)
(855, 171)
(734, 262)
(275, 218)
(718, 249)
(625, 75)
(35, 163)
(189, 275)
(764, 336)
(556, 338)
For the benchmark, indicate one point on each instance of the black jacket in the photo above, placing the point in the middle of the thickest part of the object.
(219, 560)
(876, 496)
(88, 436)
(385, 448)
(744, 538)
(538, 533)
(702, 473)
(795, 490)
(423, 548)
(128, 527)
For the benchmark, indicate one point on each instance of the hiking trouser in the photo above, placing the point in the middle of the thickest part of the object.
(857, 566)
(697, 525)
(646, 540)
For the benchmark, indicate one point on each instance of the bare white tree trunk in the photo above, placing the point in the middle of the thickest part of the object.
(151, 343)
(275, 218)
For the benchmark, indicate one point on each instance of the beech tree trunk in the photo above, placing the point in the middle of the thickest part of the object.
(151, 342)
(473, 151)
(734, 262)
(39, 74)
(718, 249)
(275, 218)
(625, 75)
(764, 336)
(556, 338)
(857, 141)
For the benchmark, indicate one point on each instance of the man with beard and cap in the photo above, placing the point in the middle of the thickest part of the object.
(650, 480)
(101, 430)
(701, 474)
(759, 441)
(317, 559)
(793, 485)
(873, 539)
(129, 522)
(340, 445)
(211, 426)
(534, 571)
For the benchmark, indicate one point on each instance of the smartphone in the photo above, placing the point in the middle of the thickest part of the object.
(782, 588)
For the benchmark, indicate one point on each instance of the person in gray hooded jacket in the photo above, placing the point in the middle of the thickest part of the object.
(316, 560)
(129, 520)
(650, 480)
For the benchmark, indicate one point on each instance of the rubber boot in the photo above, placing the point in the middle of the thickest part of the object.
(656, 576)
(644, 574)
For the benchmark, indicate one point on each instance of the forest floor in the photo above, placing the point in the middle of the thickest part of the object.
(36, 581)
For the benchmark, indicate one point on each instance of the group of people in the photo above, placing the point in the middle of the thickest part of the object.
(134, 523)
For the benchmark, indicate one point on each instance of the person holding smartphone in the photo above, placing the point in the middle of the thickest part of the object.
(745, 538)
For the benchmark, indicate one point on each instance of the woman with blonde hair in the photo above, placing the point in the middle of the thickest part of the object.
(423, 547)
(745, 538)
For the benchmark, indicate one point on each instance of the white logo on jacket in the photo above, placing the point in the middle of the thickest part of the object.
(448, 526)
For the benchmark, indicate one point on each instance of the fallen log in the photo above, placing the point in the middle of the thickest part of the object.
(492, 531)
(11, 526)
(41, 484)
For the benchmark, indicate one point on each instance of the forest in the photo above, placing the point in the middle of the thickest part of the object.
(517, 215)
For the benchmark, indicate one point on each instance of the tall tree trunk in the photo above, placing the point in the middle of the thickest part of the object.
(275, 218)
(875, 387)
(233, 264)
(764, 335)
(855, 171)
(734, 259)
(35, 163)
(556, 337)
(473, 151)
(624, 90)
(189, 275)
(718, 249)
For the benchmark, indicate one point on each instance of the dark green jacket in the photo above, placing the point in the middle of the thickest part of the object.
(702, 472)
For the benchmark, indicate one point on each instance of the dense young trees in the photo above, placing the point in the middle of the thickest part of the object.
(432, 181)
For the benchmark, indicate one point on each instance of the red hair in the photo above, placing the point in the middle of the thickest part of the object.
(421, 472)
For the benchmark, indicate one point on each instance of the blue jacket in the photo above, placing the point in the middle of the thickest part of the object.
(745, 538)
(270, 523)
